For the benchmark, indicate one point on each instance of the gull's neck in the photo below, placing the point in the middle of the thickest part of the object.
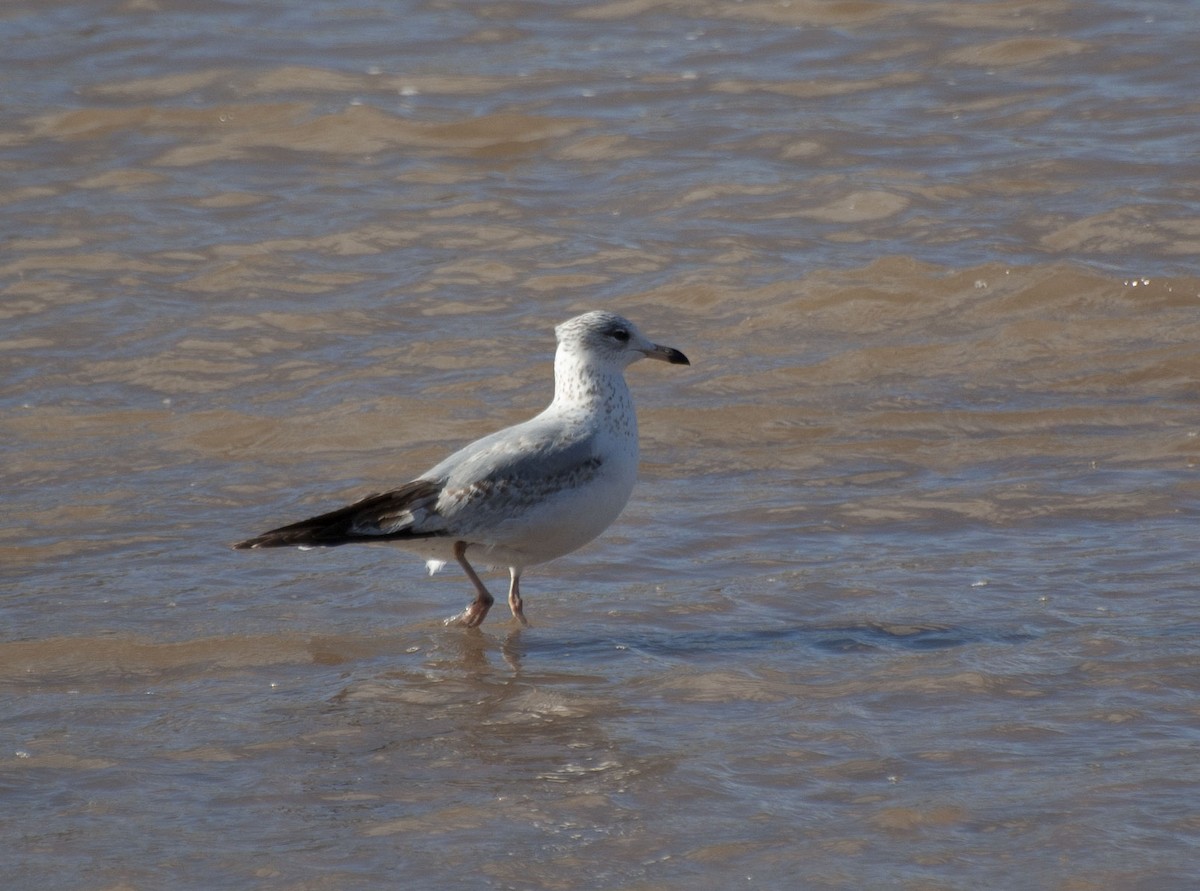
(581, 383)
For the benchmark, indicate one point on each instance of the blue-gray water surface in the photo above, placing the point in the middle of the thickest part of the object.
(906, 595)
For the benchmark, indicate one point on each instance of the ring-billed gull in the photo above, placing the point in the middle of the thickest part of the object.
(521, 496)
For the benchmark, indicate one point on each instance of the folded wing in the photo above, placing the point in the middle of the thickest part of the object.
(406, 513)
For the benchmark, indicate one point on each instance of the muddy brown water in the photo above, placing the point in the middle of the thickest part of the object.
(906, 596)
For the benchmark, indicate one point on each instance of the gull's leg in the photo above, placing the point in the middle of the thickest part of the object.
(514, 596)
(477, 609)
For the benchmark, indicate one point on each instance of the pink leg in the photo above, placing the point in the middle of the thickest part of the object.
(477, 609)
(514, 596)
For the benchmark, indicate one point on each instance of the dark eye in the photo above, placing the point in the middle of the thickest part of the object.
(619, 334)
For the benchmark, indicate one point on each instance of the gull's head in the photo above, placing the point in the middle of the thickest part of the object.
(609, 339)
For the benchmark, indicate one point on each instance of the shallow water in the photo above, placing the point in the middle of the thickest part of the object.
(905, 597)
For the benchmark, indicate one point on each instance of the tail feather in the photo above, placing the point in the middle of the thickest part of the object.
(385, 516)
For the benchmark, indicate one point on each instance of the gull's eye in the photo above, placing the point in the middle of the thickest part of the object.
(619, 334)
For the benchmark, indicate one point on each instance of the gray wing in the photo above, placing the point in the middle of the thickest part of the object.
(533, 455)
(512, 464)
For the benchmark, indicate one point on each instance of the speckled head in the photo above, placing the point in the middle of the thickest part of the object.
(605, 338)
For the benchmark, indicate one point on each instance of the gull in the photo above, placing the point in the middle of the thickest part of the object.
(525, 494)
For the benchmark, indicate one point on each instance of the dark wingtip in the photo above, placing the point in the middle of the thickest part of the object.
(267, 540)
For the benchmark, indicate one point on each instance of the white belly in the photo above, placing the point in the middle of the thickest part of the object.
(560, 523)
